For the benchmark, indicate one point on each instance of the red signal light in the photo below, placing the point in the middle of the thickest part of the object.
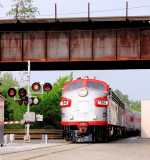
(11, 92)
(36, 86)
(26, 100)
(22, 92)
(47, 87)
(20, 102)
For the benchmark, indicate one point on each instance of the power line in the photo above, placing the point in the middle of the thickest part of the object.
(85, 12)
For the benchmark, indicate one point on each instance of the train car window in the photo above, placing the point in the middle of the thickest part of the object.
(95, 85)
(74, 86)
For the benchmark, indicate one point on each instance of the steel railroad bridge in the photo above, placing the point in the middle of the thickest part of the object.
(75, 43)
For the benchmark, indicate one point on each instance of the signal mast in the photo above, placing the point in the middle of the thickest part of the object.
(30, 117)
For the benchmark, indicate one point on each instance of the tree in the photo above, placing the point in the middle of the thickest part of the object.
(123, 97)
(25, 9)
(12, 109)
(49, 105)
(134, 105)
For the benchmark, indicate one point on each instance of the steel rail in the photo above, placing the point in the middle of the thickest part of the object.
(34, 149)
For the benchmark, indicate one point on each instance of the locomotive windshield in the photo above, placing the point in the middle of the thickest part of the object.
(74, 86)
(95, 85)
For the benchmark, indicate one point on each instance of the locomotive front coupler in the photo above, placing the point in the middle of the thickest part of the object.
(82, 130)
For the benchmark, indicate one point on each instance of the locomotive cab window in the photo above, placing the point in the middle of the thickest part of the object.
(95, 85)
(74, 86)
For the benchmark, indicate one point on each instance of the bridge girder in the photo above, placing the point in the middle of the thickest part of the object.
(98, 43)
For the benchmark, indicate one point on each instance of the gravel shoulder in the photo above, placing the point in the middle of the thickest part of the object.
(19, 145)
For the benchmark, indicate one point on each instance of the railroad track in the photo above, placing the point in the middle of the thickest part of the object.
(31, 149)
(38, 153)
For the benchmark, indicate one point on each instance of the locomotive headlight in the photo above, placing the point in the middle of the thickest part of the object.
(83, 92)
(102, 102)
(63, 103)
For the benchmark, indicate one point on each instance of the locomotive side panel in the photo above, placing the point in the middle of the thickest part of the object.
(112, 113)
(116, 111)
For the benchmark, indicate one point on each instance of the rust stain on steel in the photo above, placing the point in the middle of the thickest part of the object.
(104, 45)
(81, 46)
(58, 46)
(145, 44)
(128, 44)
(34, 46)
(11, 47)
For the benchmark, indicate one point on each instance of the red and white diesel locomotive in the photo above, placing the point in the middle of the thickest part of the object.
(91, 111)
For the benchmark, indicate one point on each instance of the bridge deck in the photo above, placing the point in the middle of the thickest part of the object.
(75, 39)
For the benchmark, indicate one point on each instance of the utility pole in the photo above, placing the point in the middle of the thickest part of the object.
(126, 10)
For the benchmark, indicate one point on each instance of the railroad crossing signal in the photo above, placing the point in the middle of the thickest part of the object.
(33, 100)
(36, 86)
(36, 101)
(20, 102)
(47, 87)
(12, 92)
(26, 101)
(22, 92)
(22, 95)
(30, 99)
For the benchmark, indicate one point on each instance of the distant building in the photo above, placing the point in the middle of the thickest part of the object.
(145, 119)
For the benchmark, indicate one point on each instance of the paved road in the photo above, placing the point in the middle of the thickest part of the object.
(123, 149)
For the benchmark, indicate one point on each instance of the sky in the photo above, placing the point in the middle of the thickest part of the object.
(134, 83)
(79, 8)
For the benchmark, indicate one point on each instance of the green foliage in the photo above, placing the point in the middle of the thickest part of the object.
(14, 126)
(25, 9)
(123, 97)
(134, 105)
(12, 109)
